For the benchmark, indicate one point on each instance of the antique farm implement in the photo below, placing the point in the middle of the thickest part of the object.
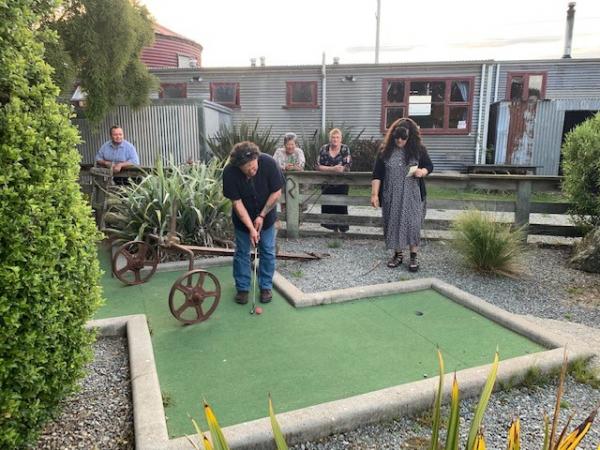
(195, 295)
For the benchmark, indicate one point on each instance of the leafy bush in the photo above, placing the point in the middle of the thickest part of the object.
(311, 144)
(49, 272)
(224, 140)
(581, 168)
(364, 153)
(487, 245)
(202, 212)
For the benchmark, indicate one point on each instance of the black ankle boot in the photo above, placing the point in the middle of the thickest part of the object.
(413, 265)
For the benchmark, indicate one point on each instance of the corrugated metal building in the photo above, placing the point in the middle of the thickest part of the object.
(165, 129)
(451, 101)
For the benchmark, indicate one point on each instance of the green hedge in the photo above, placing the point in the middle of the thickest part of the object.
(48, 268)
(581, 168)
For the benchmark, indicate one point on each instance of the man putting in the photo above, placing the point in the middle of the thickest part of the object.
(252, 181)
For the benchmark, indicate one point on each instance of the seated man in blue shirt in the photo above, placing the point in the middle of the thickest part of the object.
(117, 153)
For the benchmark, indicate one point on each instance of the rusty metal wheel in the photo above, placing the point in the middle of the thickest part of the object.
(194, 296)
(131, 258)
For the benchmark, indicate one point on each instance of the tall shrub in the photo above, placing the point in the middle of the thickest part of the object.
(581, 168)
(48, 268)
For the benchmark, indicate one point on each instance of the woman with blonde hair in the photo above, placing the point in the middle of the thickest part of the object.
(335, 158)
(398, 186)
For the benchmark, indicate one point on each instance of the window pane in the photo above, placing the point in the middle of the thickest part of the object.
(302, 93)
(435, 118)
(516, 88)
(435, 89)
(395, 92)
(172, 91)
(225, 94)
(392, 114)
(458, 117)
(535, 86)
(459, 91)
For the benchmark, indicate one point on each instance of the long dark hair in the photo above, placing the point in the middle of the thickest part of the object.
(413, 146)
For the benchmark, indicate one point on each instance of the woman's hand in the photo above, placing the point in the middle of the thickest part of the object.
(375, 200)
(420, 173)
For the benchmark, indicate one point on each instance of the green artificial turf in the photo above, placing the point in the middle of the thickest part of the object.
(301, 356)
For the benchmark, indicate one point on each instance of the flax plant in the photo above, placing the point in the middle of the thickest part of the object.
(311, 144)
(487, 245)
(218, 438)
(476, 437)
(227, 136)
(193, 192)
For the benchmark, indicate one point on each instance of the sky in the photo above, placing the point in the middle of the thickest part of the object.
(294, 32)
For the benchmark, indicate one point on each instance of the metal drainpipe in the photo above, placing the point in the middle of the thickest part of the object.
(324, 94)
(497, 83)
(479, 119)
(486, 113)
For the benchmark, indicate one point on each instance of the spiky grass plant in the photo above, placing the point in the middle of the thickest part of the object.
(195, 192)
(223, 141)
(487, 245)
(218, 438)
(476, 439)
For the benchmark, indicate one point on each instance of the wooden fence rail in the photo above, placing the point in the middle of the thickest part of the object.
(295, 198)
(522, 206)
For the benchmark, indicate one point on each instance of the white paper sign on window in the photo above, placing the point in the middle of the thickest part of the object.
(419, 105)
(462, 124)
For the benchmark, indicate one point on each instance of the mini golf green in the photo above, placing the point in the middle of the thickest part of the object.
(301, 356)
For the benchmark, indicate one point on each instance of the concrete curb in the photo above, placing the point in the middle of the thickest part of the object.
(341, 415)
(149, 421)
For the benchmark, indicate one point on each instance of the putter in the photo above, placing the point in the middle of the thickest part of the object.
(254, 281)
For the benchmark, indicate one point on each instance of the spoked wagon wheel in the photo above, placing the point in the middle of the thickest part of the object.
(194, 296)
(131, 258)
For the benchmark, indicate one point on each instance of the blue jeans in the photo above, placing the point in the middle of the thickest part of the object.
(242, 270)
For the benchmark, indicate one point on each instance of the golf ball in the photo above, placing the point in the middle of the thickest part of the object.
(258, 310)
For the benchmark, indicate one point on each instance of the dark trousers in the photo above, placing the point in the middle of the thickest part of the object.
(338, 189)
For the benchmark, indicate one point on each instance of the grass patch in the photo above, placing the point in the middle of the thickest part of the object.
(334, 244)
(582, 373)
(486, 245)
(297, 273)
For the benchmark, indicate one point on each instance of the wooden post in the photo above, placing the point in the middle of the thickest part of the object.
(523, 205)
(292, 205)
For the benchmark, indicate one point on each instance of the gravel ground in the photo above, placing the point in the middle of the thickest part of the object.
(548, 289)
(100, 415)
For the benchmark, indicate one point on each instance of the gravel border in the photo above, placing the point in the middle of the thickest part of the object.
(100, 415)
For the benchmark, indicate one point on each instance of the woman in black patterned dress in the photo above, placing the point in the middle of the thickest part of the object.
(398, 186)
(335, 157)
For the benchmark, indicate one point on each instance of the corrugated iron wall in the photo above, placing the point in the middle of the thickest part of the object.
(549, 125)
(566, 78)
(541, 145)
(352, 103)
(164, 130)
